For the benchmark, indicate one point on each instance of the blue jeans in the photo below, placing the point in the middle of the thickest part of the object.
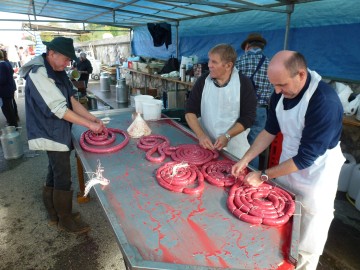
(256, 128)
(59, 170)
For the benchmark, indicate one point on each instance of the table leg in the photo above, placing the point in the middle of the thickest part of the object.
(80, 173)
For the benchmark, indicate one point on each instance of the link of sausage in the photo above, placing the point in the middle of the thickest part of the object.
(257, 205)
(218, 173)
(84, 144)
(99, 139)
(179, 179)
(154, 144)
(150, 141)
(246, 217)
(193, 154)
(98, 136)
(199, 188)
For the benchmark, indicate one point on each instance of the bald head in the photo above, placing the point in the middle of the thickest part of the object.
(287, 71)
(289, 61)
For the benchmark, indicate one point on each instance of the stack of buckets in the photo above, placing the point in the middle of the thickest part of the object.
(349, 179)
(149, 107)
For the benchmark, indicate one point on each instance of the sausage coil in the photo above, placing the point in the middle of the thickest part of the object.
(88, 140)
(265, 204)
(154, 144)
(218, 173)
(193, 154)
(180, 177)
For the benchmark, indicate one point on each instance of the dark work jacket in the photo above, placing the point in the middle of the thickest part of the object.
(7, 82)
(161, 33)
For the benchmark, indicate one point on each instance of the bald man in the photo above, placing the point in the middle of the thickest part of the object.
(308, 113)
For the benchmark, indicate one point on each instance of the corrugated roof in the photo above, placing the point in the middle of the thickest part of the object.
(133, 13)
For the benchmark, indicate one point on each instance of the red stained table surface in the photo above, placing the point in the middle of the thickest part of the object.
(160, 229)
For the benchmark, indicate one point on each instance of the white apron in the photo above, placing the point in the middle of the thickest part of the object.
(315, 186)
(220, 108)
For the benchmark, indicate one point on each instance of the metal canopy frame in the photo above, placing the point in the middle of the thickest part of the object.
(129, 14)
(134, 13)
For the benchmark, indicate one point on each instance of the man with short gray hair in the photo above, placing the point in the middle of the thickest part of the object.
(83, 65)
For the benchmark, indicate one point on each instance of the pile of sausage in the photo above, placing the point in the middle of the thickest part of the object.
(192, 165)
(90, 141)
(160, 146)
(266, 204)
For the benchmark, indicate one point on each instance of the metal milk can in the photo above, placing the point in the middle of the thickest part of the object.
(104, 82)
(11, 143)
(122, 92)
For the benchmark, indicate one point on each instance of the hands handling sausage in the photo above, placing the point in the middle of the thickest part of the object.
(251, 178)
(220, 143)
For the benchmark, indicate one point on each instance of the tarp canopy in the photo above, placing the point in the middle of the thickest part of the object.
(325, 31)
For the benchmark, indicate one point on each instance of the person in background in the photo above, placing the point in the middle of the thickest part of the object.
(226, 102)
(7, 90)
(254, 64)
(14, 101)
(51, 109)
(309, 114)
(83, 65)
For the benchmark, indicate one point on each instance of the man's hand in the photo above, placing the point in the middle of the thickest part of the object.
(205, 142)
(221, 142)
(97, 127)
(253, 179)
(238, 167)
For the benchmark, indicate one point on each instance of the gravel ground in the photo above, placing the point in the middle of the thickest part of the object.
(26, 239)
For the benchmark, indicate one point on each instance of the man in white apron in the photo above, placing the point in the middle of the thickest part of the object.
(309, 114)
(226, 102)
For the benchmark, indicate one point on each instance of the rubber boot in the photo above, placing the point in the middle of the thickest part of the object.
(49, 205)
(63, 206)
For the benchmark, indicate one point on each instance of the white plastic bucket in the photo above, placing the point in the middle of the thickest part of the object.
(139, 100)
(357, 201)
(354, 185)
(152, 109)
(345, 173)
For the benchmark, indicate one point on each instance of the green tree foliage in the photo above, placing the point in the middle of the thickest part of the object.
(96, 31)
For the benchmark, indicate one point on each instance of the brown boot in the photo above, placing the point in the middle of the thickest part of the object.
(49, 205)
(63, 206)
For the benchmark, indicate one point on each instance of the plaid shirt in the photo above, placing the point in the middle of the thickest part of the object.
(247, 64)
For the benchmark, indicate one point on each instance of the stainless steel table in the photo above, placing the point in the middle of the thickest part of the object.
(159, 229)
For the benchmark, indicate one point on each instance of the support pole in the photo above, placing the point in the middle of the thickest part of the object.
(289, 9)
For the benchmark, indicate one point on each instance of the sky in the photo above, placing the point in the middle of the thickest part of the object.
(7, 36)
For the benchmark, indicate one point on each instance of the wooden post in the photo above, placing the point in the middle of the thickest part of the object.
(80, 173)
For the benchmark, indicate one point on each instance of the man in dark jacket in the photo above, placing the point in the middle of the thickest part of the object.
(83, 65)
(51, 109)
(7, 90)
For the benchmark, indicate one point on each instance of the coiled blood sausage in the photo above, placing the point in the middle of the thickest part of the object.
(180, 177)
(265, 204)
(90, 141)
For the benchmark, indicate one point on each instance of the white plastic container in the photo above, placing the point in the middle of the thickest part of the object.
(345, 173)
(139, 99)
(357, 201)
(152, 109)
(354, 186)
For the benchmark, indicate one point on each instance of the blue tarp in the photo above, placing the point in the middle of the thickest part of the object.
(324, 31)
